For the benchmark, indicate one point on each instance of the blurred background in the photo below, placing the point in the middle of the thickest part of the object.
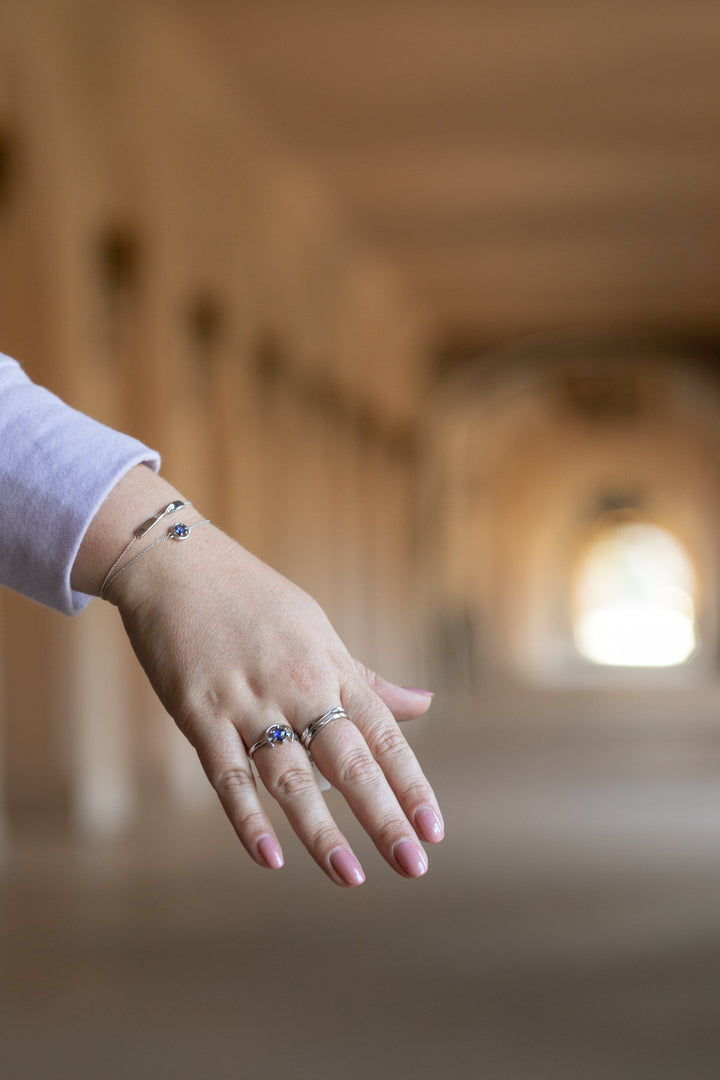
(419, 301)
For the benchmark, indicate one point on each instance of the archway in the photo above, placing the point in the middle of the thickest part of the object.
(533, 459)
(634, 598)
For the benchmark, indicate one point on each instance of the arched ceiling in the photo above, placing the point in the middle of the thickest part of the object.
(528, 165)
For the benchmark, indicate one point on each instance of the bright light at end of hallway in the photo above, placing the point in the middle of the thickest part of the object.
(634, 599)
(635, 637)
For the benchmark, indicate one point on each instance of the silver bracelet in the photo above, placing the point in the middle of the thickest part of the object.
(138, 533)
(180, 531)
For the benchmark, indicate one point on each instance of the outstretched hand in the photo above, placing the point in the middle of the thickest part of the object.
(232, 648)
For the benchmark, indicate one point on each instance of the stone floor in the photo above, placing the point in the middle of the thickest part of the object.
(569, 929)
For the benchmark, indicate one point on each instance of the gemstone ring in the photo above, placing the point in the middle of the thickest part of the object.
(273, 736)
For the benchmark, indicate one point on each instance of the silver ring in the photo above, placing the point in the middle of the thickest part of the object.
(307, 736)
(273, 736)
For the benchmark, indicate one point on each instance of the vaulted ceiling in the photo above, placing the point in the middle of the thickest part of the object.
(529, 165)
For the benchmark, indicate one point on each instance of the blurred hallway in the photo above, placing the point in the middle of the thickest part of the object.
(419, 301)
(570, 927)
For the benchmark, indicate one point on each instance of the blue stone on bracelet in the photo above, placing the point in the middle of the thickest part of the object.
(179, 532)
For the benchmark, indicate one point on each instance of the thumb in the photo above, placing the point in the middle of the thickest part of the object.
(403, 702)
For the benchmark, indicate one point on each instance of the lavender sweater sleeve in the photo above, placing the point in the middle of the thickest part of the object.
(56, 468)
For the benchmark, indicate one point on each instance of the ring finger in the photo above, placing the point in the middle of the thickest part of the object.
(344, 757)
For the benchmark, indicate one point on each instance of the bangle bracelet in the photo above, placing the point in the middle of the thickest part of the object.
(142, 530)
(179, 531)
(175, 532)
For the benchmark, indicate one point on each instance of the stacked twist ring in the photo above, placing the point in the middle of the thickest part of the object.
(313, 728)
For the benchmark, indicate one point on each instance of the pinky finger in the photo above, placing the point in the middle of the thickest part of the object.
(228, 769)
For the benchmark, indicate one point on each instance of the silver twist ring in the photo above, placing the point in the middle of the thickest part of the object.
(273, 736)
(307, 736)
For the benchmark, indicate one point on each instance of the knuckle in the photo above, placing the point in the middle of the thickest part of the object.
(234, 782)
(201, 710)
(203, 705)
(293, 782)
(387, 830)
(389, 742)
(415, 792)
(358, 767)
(324, 837)
(249, 824)
(355, 692)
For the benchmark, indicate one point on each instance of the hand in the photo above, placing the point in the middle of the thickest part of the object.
(231, 647)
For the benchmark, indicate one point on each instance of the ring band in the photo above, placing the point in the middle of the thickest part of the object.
(273, 736)
(315, 726)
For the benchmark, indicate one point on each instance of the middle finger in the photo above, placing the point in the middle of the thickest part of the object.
(287, 773)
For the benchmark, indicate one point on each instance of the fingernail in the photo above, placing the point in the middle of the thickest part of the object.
(429, 825)
(411, 858)
(347, 867)
(423, 693)
(270, 852)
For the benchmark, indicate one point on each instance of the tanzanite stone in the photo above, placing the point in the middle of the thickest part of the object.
(278, 734)
(179, 532)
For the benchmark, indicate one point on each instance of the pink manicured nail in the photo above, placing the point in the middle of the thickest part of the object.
(411, 858)
(347, 867)
(423, 693)
(429, 825)
(270, 852)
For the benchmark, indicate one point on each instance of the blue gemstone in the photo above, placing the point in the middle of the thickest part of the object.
(278, 734)
(180, 532)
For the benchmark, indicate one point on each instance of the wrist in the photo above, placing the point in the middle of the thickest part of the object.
(138, 496)
(173, 532)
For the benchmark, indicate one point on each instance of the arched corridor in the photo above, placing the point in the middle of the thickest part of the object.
(419, 301)
(537, 451)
